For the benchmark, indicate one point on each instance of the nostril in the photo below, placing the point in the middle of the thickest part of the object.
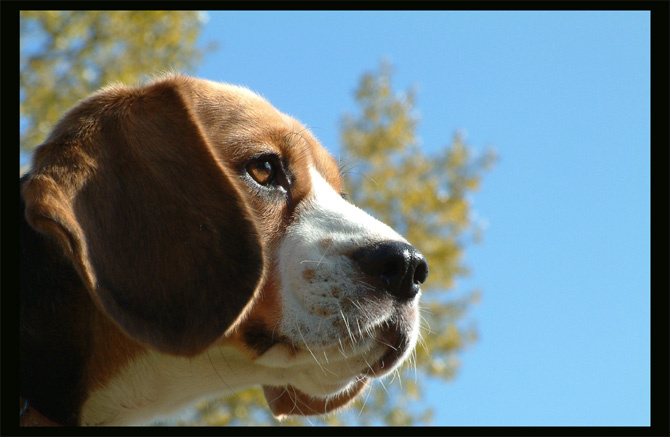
(421, 272)
(393, 267)
(399, 266)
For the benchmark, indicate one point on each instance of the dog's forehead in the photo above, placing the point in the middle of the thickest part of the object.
(240, 104)
(237, 116)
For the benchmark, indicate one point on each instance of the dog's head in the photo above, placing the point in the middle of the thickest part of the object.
(199, 216)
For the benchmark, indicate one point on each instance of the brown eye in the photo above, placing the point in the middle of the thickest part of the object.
(263, 171)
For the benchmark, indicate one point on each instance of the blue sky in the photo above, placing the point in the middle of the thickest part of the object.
(564, 266)
(563, 97)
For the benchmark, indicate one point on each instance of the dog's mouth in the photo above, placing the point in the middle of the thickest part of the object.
(322, 365)
(381, 350)
(397, 344)
(288, 400)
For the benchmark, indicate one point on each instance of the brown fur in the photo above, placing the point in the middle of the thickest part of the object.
(137, 191)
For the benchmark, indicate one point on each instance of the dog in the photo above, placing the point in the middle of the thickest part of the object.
(184, 239)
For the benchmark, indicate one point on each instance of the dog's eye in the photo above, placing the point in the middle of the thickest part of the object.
(263, 171)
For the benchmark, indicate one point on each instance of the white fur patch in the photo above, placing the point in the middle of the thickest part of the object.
(321, 290)
(156, 385)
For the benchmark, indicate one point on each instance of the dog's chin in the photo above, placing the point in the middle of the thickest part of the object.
(398, 346)
(290, 401)
(308, 397)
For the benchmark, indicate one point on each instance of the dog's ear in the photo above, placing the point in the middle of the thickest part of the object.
(155, 225)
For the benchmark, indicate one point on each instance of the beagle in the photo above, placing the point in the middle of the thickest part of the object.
(183, 240)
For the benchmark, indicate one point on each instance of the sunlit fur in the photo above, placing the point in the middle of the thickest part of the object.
(316, 331)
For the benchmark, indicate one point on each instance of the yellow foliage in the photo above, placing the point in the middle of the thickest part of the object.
(66, 55)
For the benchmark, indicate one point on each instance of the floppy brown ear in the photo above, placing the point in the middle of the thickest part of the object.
(153, 222)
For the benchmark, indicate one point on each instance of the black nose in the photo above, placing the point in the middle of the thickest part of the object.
(400, 267)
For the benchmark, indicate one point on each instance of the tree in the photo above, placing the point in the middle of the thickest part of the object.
(425, 198)
(66, 55)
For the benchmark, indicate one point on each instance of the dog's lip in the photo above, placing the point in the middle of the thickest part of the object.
(287, 400)
(391, 343)
(395, 343)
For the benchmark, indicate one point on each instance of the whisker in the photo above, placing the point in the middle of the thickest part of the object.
(384, 386)
(341, 348)
(322, 256)
(317, 262)
(386, 344)
(397, 372)
(369, 366)
(422, 343)
(413, 363)
(426, 325)
(424, 308)
(393, 377)
(360, 331)
(311, 353)
(365, 401)
(357, 305)
(217, 372)
(346, 324)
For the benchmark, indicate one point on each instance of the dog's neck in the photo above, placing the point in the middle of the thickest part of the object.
(154, 385)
